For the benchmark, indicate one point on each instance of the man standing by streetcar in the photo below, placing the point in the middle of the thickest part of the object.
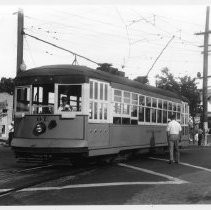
(174, 130)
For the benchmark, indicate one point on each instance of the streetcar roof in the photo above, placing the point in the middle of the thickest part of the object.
(69, 74)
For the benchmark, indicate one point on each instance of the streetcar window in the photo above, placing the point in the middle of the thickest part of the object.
(169, 114)
(178, 116)
(105, 111)
(91, 110)
(159, 116)
(72, 93)
(141, 114)
(91, 90)
(154, 102)
(96, 90)
(126, 109)
(126, 105)
(169, 106)
(106, 92)
(117, 120)
(164, 116)
(118, 100)
(148, 101)
(98, 95)
(142, 100)
(117, 95)
(182, 119)
(147, 114)
(23, 99)
(95, 110)
(135, 99)
(165, 105)
(178, 107)
(101, 111)
(160, 104)
(126, 97)
(174, 107)
(186, 119)
(186, 108)
(154, 115)
(117, 108)
(101, 91)
(125, 121)
(183, 108)
(43, 99)
(134, 111)
(134, 108)
(134, 122)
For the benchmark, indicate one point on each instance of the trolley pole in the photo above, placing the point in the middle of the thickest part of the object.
(205, 72)
(20, 41)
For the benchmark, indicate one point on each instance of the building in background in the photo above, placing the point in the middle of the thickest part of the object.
(6, 114)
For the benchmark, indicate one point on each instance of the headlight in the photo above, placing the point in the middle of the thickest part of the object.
(39, 128)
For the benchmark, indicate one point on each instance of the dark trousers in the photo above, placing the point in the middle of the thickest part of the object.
(11, 134)
(199, 139)
(174, 148)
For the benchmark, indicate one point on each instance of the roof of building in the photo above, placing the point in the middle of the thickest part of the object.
(79, 74)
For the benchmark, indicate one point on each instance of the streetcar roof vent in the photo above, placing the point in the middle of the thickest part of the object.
(107, 67)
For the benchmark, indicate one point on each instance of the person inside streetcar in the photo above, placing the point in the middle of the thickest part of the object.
(65, 106)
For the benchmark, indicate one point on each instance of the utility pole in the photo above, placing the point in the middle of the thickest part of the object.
(20, 41)
(205, 72)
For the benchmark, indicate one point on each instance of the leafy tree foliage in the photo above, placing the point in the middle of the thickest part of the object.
(7, 85)
(184, 86)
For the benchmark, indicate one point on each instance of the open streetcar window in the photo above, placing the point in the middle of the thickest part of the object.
(43, 99)
(69, 98)
(23, 99)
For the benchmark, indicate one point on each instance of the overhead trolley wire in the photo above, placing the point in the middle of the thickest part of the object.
(73, 53)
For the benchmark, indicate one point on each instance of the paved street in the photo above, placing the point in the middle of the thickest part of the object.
(143, 180)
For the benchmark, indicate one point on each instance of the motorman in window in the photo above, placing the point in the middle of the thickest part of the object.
(174, 130)
(65, 106)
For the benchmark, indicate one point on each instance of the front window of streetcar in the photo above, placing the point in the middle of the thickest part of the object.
(23, 99)
(69, 98)
(43, 99)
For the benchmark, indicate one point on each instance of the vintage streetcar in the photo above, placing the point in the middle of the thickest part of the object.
(104, 114)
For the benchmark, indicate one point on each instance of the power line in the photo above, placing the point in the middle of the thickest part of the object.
(73, 53)
(126, 28)
(160, 55)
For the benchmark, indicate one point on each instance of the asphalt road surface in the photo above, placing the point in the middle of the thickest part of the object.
(147, 180)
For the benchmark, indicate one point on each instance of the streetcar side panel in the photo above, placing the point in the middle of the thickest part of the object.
(138, 135)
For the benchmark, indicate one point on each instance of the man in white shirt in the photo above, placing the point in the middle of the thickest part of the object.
(174, 130)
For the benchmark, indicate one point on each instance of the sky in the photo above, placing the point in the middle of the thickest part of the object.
(130, 36)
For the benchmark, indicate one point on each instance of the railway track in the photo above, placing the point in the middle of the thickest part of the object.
(26, 178)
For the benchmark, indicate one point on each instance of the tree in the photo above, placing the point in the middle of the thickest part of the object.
(7, 85)
(184, 86)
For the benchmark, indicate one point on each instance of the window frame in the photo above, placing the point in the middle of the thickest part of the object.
(30, 100)
(67, 114)
(102, 100)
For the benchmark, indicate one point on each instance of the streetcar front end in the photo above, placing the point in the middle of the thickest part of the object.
(50, 118)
